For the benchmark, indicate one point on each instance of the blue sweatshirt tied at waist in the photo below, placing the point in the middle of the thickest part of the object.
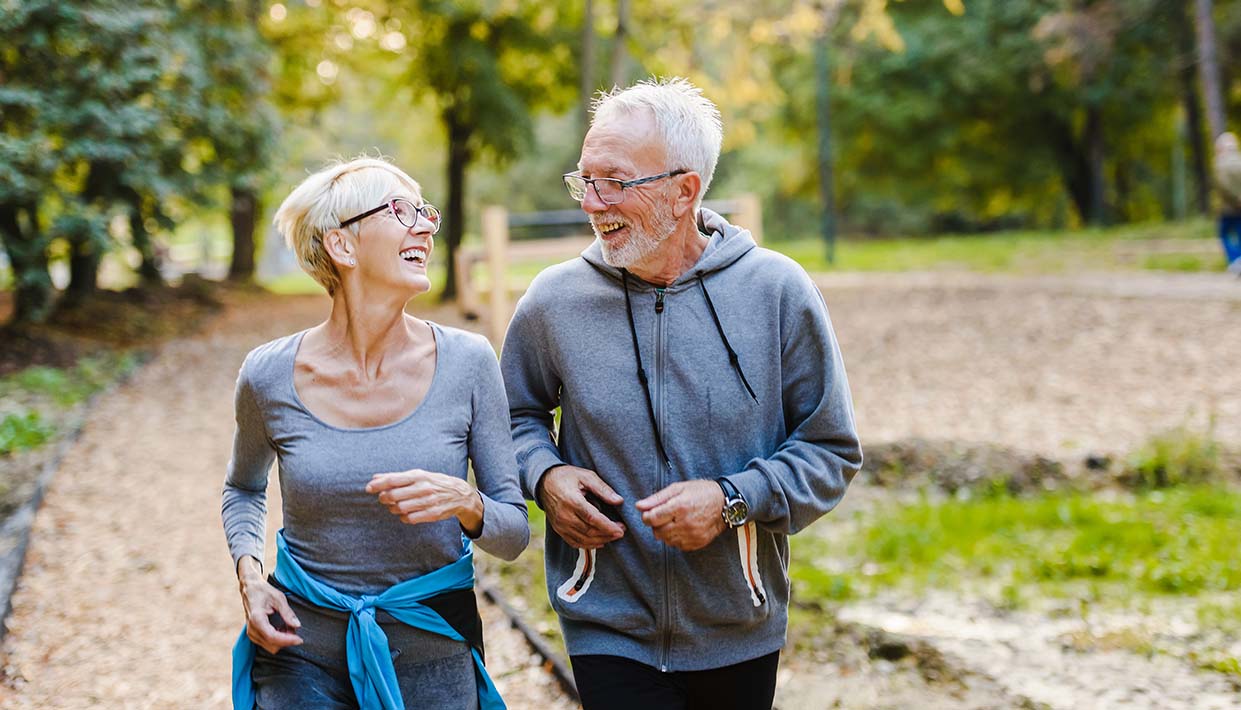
(370, 661)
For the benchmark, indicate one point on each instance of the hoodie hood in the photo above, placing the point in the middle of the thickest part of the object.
(727, 244)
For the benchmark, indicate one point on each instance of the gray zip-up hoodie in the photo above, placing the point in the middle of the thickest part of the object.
(790, 446)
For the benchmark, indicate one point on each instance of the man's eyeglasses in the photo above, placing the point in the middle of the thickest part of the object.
(405, 212)
(610, 190)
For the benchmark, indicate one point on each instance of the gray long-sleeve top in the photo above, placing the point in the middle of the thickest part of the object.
(336, 530)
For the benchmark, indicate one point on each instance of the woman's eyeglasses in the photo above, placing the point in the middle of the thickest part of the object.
(405, 212)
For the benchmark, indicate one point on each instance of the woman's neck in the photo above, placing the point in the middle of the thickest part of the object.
(365, 331)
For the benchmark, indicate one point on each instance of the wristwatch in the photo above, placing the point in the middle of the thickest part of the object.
(735, 509)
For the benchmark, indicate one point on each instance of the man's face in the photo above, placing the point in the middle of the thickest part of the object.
(627, 147)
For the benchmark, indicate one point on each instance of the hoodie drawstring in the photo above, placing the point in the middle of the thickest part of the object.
(732, 354)
(637, 355)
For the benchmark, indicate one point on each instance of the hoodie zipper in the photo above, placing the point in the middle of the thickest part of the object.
(663, 481)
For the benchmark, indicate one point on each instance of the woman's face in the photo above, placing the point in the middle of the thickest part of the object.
(393, 255)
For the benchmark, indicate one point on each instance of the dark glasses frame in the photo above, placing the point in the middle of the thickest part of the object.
(427, 210)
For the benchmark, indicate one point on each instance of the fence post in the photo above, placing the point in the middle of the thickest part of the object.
(495, 241)
(750, 215)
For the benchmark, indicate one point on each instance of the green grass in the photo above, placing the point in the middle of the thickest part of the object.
(1179, 541)
(1180, 246)
(67, 387)
(32, 399)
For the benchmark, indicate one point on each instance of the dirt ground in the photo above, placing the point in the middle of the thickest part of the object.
(128, 598)
(1060, 366)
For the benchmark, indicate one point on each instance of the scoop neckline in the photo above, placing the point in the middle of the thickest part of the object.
(436, 334)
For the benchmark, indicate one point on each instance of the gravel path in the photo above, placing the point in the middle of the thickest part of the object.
(1060, 366)
(128, 598)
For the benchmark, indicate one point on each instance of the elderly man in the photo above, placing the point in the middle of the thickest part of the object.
(1228, 184)
(705, 416)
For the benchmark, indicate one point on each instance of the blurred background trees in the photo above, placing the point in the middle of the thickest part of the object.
(128, 128)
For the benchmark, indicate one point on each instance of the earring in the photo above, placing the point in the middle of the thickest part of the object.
(353, 262)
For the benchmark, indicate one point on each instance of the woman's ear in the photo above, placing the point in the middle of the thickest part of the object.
(339, 247)
(688, 187)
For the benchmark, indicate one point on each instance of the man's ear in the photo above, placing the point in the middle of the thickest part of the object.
(338, 244)
(688, 187)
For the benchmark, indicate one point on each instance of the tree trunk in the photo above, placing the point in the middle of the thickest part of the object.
(149, 269)
(32, 289)
(1095, 158)
(1192, 104)
(827, 178)
(244, 215)
(1208, 67)
(84, 260)
(587, 65)
(458, 161)
(86, 247)
(1072, 162)
(620, 55)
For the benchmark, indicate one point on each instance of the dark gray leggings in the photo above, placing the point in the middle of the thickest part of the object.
(433, 671)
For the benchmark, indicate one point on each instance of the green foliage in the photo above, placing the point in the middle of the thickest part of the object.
(1180, 541)
(19, 432)
(1177, 457)
(67, 387)
(111, 110)
(820, 585)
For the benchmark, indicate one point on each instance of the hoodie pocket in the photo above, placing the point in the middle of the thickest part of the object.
(595, 587)
(726, 583)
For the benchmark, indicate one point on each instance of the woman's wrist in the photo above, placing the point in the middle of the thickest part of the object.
(249, 570)
(470, 514)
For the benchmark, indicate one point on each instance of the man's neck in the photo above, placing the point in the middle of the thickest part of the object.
(675, 255)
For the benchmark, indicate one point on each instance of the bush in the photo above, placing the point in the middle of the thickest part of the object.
(22, 431)
(1175, 458)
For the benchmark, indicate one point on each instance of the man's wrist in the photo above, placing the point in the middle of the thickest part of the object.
(735, 511)
(538, 485)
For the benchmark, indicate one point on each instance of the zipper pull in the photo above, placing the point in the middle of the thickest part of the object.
(659, 300)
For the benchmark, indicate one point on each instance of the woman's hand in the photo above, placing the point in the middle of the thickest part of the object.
(261, 600)
(418, 496)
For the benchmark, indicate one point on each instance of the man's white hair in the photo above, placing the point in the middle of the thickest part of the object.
(327, 198)
(688, 123)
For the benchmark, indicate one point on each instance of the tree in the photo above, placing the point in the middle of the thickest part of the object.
(1208, 66)
(238, 121)
(26, 164)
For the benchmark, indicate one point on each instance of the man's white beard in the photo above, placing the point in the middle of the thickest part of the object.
(641, 243)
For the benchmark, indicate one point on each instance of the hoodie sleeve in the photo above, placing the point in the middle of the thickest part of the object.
(506, 531)
(808, 473)
(533, 387)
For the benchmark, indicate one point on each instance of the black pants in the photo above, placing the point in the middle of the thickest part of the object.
(615, 683)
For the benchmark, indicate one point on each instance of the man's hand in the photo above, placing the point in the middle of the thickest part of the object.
(562, 493)
(687, 515)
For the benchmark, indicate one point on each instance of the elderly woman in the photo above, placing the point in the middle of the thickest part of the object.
(372, 417)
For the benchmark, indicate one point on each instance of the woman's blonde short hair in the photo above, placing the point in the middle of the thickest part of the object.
(328, 197)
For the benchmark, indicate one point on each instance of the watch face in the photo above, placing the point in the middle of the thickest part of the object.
(735, 512)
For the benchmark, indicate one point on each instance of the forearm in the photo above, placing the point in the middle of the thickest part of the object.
(505, 528)
(244, 513)
(249, 571)
(471, 514)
